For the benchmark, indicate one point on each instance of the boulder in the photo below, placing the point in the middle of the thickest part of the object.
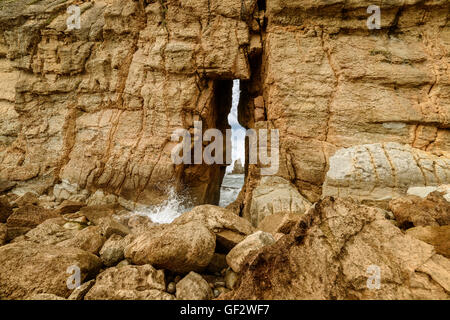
(6, 186)
(109, 227)
(251, 244)
(238, 168)
(437, 236)
(193, 287)
(27, 268)
(344, 250)
(411, 210)
(178, 248)
(229, 228)
(26, 218)
(218, 263)
(279, 223)
(377, 173)
(26, 199)
(5, 209)
(69, 206)
(129, 283)
(50, 231)
(96, 212)
(273, 195)
(113, 250)
(89, 239)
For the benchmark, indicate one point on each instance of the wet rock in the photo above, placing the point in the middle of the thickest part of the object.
(129, 283)
(437, 236)
(251, 244)
(194, 287)
(178, 248)
(27, 268)
(411, 211)
(95, 213)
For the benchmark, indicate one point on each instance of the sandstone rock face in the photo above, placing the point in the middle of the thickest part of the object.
(383, 171)
(274, 195)
(410, 211)
(95, 107)
(438, 237)
(193, 287)
(27, 268)
(238, 255)
(129, 283)
(178, 248)
(338, 251)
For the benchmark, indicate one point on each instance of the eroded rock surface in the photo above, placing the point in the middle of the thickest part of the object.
(27, 268)
(331, 253)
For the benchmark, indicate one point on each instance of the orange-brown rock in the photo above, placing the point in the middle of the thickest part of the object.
(437, 236)
(26, 218)
(333, 253)
(411, 211)
(28, 268)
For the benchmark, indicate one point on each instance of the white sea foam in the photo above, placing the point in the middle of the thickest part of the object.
(167, 211)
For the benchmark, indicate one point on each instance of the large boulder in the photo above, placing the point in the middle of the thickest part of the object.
(344, 250)
(51, 231)
(27, 268)
(178, 248)
(437, 236)
(230, 229)
(236, 258)
(274, 195)
(193, 287)
(412, 210)
(377, 173)
(129, 283)
(112, 251)
(26, 218)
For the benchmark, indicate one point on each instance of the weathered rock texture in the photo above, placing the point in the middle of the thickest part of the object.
(95, 108)
(92, 110)
(331, 253)
(28, 268)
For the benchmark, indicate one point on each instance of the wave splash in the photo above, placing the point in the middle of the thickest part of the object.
(169, 210)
